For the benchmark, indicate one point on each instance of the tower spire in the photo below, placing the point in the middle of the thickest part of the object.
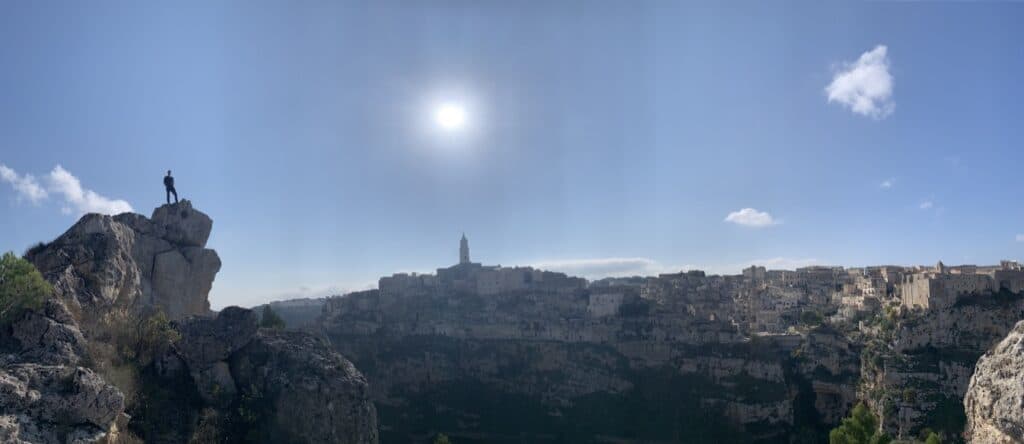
(464, 250)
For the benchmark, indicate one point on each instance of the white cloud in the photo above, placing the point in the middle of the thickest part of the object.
(751, 218)
(865, 86)
(597, 268)
(886, 184)
(26, 186)
(1020, 238)
(80, 200)
(775, 263)
(926, 205)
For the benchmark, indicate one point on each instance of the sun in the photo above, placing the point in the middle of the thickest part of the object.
(450, 116)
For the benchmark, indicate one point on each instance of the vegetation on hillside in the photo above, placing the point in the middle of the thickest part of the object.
(270, 319)
(21, 287)
(860, 428)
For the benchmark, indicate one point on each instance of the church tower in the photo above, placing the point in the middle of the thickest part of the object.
(464, 250)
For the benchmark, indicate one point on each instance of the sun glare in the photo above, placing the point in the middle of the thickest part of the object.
(450, 116)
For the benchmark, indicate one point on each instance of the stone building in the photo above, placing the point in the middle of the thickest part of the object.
(942, 286)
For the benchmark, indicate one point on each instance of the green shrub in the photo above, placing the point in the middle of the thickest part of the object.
(860, 428)
(269, 319)
(155, 336)
(441, 438)
(811, 318)
(21, 287)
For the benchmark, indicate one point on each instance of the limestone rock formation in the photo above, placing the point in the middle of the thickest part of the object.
(206, 344)
(303, 390)
(995, 397)
(130, 261)
(45, 395)
(110, 276)
(316, 394)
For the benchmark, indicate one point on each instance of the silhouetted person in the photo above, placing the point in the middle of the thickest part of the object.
(169, 184)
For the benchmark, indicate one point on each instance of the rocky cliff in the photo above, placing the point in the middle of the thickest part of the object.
(916, 375)
(47, 393)
(995, 397)
(100, 361)
(129, 261)
(536, 367)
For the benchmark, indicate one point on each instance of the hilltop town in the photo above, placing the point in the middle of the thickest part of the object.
(765, 354)
(757, 301)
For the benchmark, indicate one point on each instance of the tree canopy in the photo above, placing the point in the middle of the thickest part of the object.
(270, 319)
(21, 286)
(860, 428)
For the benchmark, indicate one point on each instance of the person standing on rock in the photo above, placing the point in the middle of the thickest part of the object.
(169, 184)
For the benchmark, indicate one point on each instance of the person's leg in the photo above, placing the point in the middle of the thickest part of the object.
(169, 195)
(175, 195)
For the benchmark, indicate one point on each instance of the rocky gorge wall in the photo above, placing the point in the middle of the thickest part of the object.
(539, 367)
(917, 375)
(513, 369)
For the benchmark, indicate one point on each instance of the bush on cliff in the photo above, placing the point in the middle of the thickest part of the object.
(270, 319)
(860, 428)
(21, 287)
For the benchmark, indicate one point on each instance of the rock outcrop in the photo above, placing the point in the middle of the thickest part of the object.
(198, 378)
(302, 390)
(134, 262)
(46, 395)
(316, 395)
(995, 396)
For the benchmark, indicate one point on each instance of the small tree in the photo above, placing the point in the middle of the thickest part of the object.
(269, 319)
(860, 428)
(21, 287)
(155, 336)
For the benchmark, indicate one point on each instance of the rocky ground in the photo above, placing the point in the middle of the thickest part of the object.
(100, 363)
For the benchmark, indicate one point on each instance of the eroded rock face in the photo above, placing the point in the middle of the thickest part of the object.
(45, 395)
(205, 345)
(131, 261)
(316, 395)
(995, 397)
(110, 271)
(302, 389)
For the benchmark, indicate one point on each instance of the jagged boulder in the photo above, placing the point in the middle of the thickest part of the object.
(49, 336)
(131, 261)
(313, 393)
(995, 397)
(183, 225)
(205, 345)
(45, 395)
(37, 401)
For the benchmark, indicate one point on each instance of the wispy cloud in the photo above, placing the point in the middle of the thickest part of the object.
(66, 187)
(81, 200)
(750, 217)
(1020, 238)
(597, 268)
(774, 263)
(887, 183)
(25, 185)
(926, 205)
(865, 85)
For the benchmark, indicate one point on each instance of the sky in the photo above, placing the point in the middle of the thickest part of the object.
(597, 138)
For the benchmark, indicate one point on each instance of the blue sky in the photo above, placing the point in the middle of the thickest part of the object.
(601, 137)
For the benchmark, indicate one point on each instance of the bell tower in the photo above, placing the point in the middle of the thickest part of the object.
(464, 250)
